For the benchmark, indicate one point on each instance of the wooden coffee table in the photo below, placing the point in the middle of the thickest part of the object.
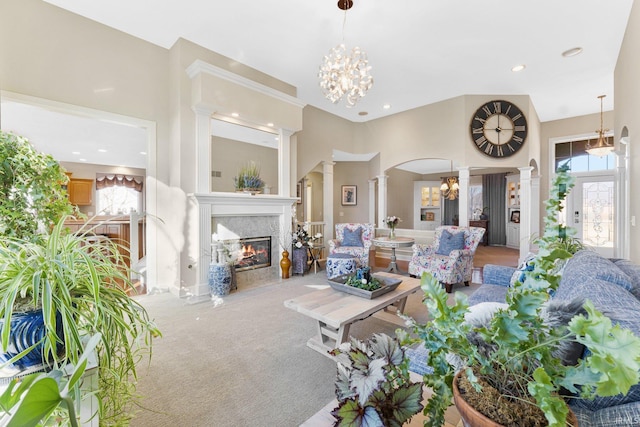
(336, 311)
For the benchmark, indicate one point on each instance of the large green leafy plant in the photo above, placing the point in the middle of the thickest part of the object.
(32, 189)
(373, 386)
(520, 361)
(82, 283)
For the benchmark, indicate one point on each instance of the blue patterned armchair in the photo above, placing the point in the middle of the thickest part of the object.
(353, 239)
(450, 257)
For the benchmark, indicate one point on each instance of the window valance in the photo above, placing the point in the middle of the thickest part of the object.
(128, 181)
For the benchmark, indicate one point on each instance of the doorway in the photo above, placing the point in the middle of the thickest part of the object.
(591, 211)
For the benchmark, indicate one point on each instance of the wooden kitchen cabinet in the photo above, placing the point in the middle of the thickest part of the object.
(80, 191)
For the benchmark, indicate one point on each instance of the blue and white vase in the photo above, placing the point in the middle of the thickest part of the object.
(220, 279)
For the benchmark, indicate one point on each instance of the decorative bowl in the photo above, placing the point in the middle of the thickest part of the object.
(388, 285)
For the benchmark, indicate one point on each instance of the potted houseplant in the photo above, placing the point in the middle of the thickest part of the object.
(73, 284)
(514, 351)
(248, 178)
(79, 286)
(32, 189)
(373, 385)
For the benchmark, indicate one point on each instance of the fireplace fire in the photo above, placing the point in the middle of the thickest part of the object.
(251, 253)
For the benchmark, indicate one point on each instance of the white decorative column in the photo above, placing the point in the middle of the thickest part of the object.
(463, 196)
(382, 200)
(327, 198)
(284, 163)
(203, 185)
(525, 210)
(203, 149)
(535, 208)
(372, 198)
(621, 248)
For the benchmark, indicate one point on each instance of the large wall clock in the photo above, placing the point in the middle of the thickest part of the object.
(498, 129)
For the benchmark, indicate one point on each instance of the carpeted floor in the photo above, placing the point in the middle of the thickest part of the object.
(243, 362)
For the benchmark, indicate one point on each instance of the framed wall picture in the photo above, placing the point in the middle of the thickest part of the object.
(430, 216)
(349, 195)
(515, 216)
(299, 192)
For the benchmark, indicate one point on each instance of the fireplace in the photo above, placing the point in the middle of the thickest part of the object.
(250, 253)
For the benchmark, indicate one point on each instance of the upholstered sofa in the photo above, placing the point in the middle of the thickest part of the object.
(613, 285)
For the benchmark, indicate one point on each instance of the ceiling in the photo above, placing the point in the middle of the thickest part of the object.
(421, 51)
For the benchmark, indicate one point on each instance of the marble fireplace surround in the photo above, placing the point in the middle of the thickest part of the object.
(233, 215)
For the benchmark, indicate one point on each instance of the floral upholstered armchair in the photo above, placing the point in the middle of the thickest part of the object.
(353, 239)
(450, 257)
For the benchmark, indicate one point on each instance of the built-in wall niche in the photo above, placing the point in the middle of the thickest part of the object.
(233, 146)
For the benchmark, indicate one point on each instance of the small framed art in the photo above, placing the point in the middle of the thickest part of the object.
(515, 216)
(299, 192)
(349, 195)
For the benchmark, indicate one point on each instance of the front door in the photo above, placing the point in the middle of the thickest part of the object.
(590, 210)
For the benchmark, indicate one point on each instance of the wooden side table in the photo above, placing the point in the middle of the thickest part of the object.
(397, 242)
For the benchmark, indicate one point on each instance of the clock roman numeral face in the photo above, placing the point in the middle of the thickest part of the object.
(498, 129)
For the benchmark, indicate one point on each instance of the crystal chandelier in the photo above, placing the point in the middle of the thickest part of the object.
(449, 188)
(345, 75)
(602, 146)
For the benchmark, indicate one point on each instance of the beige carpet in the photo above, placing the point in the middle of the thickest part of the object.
(244, 362)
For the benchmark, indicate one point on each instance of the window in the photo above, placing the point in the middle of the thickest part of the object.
(575, 155)
(118, 200)
(475, 197)
(118, 194)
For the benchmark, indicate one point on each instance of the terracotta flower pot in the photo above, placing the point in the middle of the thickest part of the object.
(472, 418)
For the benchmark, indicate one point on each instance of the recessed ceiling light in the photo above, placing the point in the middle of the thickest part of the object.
(144, 153)
(518, 67)
(270, 125)
(362, 113)
(386, 106)
(102, 150)
(75, 152)
(235, 114)
(83, 160)
(572, 52)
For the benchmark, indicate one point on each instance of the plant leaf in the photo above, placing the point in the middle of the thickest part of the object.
(367, 380)
(40, 400)
(407, 401)
(350, 414)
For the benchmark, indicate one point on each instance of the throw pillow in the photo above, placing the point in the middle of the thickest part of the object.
(352, 237)
(449, 242)
(525, 265)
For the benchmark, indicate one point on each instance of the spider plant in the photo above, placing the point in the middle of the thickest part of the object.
(80, 286)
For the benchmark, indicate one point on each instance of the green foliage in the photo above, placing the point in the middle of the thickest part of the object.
(84, 281)
(519, 358)
(36, 396)
(373, 385)
(32, 189)
(249, 177)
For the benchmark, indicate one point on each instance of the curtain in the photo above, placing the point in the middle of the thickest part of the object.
(450, 211)
(494, 188)
(134, 182)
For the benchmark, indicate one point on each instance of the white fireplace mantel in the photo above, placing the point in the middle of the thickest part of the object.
(233, 204)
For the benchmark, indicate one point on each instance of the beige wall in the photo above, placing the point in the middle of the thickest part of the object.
(351, 173)
(238, 154)
(400, 195)
(49, 53)
(627, 108)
